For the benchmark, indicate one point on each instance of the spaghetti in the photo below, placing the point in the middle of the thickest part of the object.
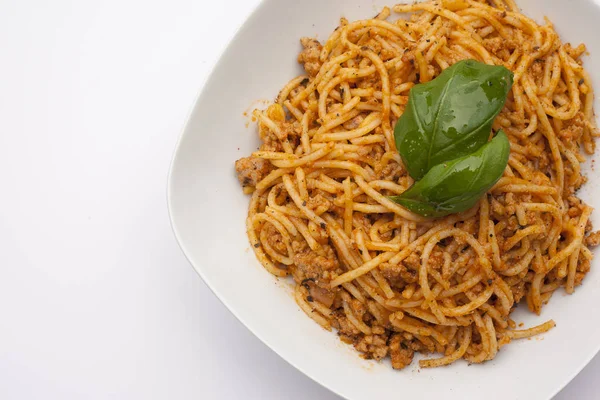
(391, 282)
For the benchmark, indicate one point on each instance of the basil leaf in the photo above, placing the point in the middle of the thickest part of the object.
(450, 116)
(457, 185)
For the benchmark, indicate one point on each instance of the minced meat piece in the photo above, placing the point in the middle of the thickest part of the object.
(593, 239)
(413, 261)
(400, 353)
(497, 44)
(344, 327)
(372, 346)
(310, 56)
(318, 201)
(275, 239)
(309, 264)
(354, 123)
(251, 170)
(398, 275)
(582, 269)
(519, 291)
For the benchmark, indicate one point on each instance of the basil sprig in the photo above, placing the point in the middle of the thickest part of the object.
(457, 185)
(443, 134)
(450, 116)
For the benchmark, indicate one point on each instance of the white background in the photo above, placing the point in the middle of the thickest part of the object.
(96, 299)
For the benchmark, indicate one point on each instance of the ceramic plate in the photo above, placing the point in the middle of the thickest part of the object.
(208, 212)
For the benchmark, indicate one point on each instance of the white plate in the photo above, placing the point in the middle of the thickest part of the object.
(208, 211)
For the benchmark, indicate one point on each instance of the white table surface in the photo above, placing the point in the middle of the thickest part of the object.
(96, 299)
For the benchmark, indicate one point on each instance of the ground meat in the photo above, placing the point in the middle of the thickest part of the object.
(374, 152)
(318, 201)
(309, 264)
(543, 161)
(354, 123)
(275, 239)
(391, 172)
(436, 259)
(400, 353)
(512, 223)
(531, 217)
(593, 239)
(372, 346)
(539, 178)
(518, 291)
(398, 275)
(573, 129)
(408, 57)
(358, 309)
(344, 327)
(271, 143)
(318, 233)
(494, 44)
(324, 296)
(582, 269)
(413, 261)
(368, 82)
(583, 266)
(287, 129)
(292, 131)
(310, 56)
(537, 71)
(251, 170)
(387, 54)
(498, 45)
(424, 346)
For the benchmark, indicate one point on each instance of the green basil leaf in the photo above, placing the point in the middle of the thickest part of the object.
(457, 185)
(450, 116)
